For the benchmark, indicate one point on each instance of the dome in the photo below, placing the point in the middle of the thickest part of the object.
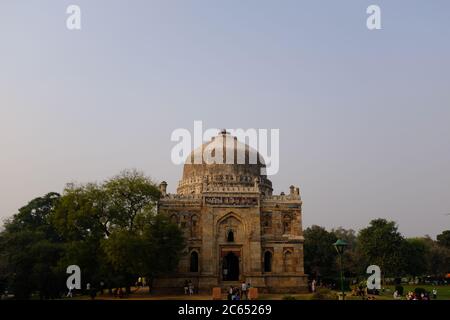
(224, 162)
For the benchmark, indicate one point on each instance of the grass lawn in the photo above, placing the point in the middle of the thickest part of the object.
(443, 292)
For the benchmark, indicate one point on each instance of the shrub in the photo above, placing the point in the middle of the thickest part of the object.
(288, 297)
(323, 294)
(399, 289)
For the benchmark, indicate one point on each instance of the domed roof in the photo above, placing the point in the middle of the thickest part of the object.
(223, 161)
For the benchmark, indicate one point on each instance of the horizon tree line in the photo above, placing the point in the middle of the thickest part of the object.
(112, 231)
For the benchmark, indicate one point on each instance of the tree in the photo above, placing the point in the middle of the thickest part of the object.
(443, 239)
(164, 243)
(320, 255)
(381, 244)
(348, 235)
(438, 258)
(110, 230)
(132, 203)
(30, 249)
(83, 219)
(351, 260)
(131, 194)
(416, 252)
(154, 250)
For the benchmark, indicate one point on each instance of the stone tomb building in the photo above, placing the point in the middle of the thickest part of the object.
(236, 229)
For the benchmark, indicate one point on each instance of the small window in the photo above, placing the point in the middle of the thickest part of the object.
(194, 262)
(268, 261)
(287, 224)
(230, 236)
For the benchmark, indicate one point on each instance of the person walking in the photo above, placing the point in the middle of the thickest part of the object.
(69, 294)
(186, 287)
(244, 290)
(313, 286)
(191, 288)
(230, 293)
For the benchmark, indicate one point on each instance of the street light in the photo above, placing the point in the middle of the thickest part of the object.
(340, 247)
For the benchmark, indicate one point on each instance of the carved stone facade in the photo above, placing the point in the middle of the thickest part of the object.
(236, 229)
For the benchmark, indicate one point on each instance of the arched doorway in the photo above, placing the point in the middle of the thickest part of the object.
(230, 267)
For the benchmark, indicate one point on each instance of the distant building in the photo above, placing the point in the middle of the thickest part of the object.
(236, 229)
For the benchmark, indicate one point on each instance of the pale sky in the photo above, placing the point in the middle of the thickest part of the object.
(364, 116)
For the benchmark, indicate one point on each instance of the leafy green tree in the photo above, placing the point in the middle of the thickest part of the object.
(83, 219)
(124, 251)
(319, 253)
(416, 253)
(381, 244)
(352, 260)
(131, 195)
(132, 202)
(438, 258)
(153, 251)
(348, 235)
(30, 249)
(110, 230)
(164, 243)
(443, 239)
(83, 212)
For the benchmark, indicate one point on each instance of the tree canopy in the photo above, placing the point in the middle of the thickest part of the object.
(319, 253)
(111, 230)
(380, 244)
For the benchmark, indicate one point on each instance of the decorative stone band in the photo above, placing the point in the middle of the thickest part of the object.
(232, 201)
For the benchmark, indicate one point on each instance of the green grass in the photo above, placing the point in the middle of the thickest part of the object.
(443, 291)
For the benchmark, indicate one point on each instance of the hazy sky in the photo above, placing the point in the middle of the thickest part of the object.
(364, 116)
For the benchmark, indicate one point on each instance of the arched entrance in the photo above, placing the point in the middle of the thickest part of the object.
(230, 267)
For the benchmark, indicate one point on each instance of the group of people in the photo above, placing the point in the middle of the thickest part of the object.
(92, 291)
(236, 293)
(188, 288)
(419, 296)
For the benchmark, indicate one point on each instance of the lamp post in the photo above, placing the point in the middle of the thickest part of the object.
(340, 246)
